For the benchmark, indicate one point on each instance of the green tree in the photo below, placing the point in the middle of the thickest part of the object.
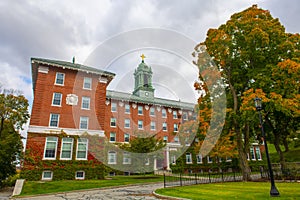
(242, 49)
(143, 149)
(13, 114)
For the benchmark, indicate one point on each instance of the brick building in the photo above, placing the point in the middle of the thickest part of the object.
(72, 104)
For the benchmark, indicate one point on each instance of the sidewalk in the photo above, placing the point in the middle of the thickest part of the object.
(5, 193)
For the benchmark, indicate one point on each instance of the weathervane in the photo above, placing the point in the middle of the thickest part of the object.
(143, 57)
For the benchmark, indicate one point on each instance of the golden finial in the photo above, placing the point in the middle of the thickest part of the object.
(143, 57)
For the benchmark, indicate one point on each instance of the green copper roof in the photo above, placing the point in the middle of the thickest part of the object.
(155, 101)
(70, 65)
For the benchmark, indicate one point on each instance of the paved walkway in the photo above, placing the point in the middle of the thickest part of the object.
(127, 192)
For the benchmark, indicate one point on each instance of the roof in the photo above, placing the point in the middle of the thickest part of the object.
(68, 65)
(155, 101)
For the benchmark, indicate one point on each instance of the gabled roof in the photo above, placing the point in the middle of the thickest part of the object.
(154, 101)
(68, 65)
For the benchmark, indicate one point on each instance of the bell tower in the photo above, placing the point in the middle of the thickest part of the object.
(143, 80)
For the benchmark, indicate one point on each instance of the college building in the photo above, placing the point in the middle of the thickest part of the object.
(74, 118)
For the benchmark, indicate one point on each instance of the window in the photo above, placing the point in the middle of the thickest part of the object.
(153, 125)
(82, 147)
(127, 108)
(113, 107)
(258, 155)
(126, 158)
(140, 110)
(176, 139)
(164, 126)
(112, 137)
(209, 159)
(199, 158)
(165, 138)
(188, 158)
(84, 123)
(173, 160)
(152, 111)
(79, 175)
(112, 157)
(252, 155)
(85, 103)
(47, 175)
(60, 78)
(184, 116)
(66, 149)
(164, 113)
(175, 127)
(228, 159)
(140, 124)
(87, 83)
(113, 122)
(126, 137)
(54, 120)
(50, 148)
(56, 101)
(127, 123)
(175, 114)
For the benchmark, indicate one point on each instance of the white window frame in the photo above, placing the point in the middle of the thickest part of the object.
(176, 139)
(175, 127)
(140, 110)
(127, 108)
(165, 126)
(84, 121)
(50, 119)
(164, 113)
(62, 147)
(175, 115)
(126, 158)
(152, 111)
(126, 135)
(199, 159)
(153, 125)
(87, 80)
(112, 158)
(112, 137)
(54, 98)
(47, 178)
(113, 122)
(140, 124)
(173, 160)
(79, 178)
(85, 142)
(185, 116)
(56, 79)
(55, 140)
(126, 123)
(252, 153)
(113, 107)
(85, 101)
(209, 159)
(258, 153)
(165, 138)
(188, 158)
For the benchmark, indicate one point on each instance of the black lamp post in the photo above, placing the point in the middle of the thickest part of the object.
(273, 192)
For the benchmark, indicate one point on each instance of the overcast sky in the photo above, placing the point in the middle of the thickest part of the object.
(57, 29)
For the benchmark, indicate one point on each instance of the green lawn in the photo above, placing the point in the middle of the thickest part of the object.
(233, 190)
(45, 187)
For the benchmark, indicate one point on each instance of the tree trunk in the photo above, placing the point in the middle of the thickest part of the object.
(2, 125)
(286, 144)
(279, 151)
(240, 145)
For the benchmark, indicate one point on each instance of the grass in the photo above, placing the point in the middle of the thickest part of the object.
(292, 156)
(233, 190)
(45, 187)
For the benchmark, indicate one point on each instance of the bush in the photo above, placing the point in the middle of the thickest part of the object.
(11, 181)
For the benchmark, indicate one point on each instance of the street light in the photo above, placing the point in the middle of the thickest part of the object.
(258, 104)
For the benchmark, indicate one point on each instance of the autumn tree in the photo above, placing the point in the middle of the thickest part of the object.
(242, 49)
(13, 114)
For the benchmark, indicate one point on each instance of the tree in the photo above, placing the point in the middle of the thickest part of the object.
(143, 149)
(13, 114)
(242, 49)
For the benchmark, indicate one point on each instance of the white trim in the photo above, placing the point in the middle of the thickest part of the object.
(103, 79)
(86, 151)
(63, 79)
(47, 179)
(57, 120)
(61, 148)
(90, 82)
(68, 131)
(79, 178)
(60, 100)
(55, 153)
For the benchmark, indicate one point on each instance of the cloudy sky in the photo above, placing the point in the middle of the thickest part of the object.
(59, 30)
